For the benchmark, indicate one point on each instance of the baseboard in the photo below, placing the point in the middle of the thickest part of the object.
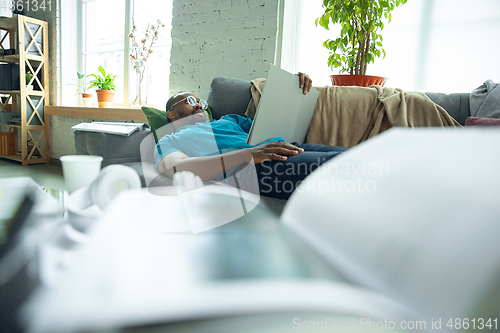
(55, 161)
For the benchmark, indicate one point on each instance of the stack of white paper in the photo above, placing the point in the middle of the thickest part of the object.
(124, 129)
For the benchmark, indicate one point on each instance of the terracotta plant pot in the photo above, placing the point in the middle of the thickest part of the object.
(105, 98)
(87, 100)
(357, 80)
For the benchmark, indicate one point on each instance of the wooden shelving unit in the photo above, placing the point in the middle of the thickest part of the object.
(33, 129)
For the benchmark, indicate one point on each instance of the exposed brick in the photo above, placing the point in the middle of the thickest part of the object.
(212, 38)
(257, 2)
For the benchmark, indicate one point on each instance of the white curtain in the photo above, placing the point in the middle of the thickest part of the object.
(432, 45)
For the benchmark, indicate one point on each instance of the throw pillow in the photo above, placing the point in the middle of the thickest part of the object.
(476, 121)
(158, 118)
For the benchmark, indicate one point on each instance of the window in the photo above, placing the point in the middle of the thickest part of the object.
(432, 45)
(106, 25)
(158, 69)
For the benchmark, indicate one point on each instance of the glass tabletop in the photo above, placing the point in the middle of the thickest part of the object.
(61, 196)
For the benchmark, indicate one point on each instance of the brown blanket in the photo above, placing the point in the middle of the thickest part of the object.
(347, 116)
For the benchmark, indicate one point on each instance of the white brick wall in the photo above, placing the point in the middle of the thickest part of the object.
(235, 38)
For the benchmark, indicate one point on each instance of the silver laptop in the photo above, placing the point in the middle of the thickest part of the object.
(283, 109)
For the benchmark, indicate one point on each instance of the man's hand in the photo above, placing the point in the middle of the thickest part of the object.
(273, 151)
(305, 82)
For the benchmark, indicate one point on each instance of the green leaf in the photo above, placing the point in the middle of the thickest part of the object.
(359, 19)
(103, 81)
(324, 21)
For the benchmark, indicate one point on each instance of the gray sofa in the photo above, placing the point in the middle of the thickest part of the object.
(226, 95)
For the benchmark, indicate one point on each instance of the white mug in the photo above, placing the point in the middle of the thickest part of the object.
(80, 170)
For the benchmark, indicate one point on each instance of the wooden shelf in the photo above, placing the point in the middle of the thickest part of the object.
(11, 125)
(35, 160)
(91, 112)
(14, 58)
(35, 57)
(36, 127)
(17, 31)
(15, 157)
(10, 92)
(36, 93)
(18, 92)
(7, 108)
(8, 23)
(11, 59)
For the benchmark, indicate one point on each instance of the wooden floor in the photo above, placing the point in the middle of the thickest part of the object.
(46, 175)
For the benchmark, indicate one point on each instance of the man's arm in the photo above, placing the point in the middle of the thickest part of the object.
(210, 167)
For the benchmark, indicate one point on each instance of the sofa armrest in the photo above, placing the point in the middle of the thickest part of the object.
(457, 104)
(115, 149)
(126, 150)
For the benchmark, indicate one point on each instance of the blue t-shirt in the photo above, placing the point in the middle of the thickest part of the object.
(208, 138)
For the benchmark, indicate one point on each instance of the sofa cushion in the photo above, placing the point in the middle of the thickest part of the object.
(228, 95)
(158, 118)
(476, 121)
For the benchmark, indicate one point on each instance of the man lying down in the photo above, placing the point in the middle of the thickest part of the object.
(217, 149)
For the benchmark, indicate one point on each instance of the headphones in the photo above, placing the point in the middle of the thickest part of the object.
(86, 205)
(112, 180)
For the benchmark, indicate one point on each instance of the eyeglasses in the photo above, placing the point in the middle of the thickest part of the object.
(192, 101)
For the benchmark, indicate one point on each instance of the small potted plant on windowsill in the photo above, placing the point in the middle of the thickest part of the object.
(105, 87)
(83, 88)
(359, 42)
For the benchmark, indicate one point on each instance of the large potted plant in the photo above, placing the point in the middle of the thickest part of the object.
(105, 87)
(360, 41)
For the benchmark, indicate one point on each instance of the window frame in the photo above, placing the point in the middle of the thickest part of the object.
(129, 5)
